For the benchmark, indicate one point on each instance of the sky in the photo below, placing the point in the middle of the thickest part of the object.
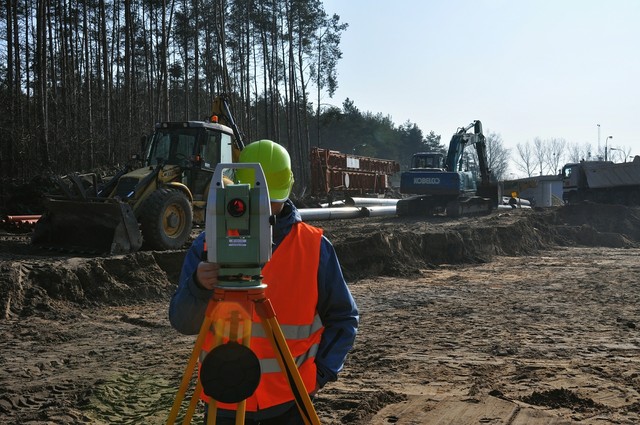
(526, 69)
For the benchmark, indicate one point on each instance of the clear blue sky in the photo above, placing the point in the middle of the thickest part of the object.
(525, 68)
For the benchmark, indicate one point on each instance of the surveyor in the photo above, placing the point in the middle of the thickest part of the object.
(304, 283)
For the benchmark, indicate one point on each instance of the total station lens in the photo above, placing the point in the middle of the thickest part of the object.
(236, 207)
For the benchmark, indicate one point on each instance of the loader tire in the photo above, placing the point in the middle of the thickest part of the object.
(166, 220)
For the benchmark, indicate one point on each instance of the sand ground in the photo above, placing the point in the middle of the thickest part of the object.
(523, 317)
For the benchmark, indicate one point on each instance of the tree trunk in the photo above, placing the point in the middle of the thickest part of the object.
(41, 75)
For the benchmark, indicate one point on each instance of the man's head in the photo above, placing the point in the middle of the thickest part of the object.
(276, 165)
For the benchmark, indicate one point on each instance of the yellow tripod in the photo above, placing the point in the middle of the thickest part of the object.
(230, 310)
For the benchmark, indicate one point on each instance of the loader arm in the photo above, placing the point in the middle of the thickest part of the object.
(221, 108)
(110, 185)
(145, 182)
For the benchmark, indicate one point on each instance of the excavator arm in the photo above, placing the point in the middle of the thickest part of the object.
(481, 150)
(459, 142)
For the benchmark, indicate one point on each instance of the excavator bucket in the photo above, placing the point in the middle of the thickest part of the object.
(105, 226)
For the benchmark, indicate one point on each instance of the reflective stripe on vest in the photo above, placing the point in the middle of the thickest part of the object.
(291, 277)
(271, 365)
(291, 332)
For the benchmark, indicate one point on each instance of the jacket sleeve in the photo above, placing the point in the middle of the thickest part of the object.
(189, 302)
(339, 315)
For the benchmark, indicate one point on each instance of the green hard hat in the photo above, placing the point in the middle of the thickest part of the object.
(276, 165)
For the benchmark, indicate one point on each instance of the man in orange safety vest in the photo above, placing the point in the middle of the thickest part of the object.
(305, 285)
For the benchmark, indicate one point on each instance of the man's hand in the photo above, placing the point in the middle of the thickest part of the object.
(207, 274)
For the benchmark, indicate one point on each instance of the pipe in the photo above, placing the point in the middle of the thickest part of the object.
(508, 207)
(381, 211)
(347, 212)
(30, 218)
(334, 204)
(362, 202)
(331, 213)
(521, 201)
(366, 202)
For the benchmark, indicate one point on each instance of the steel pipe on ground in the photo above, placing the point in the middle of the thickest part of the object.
(381, 211)
(331, 213)
(361, 202)
(346, 212)
(367, 202)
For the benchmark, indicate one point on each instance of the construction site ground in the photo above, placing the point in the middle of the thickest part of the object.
(517, 317)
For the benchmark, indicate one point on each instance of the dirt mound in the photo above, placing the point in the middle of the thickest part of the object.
(27, 287)
(400, 247)
(380, 246)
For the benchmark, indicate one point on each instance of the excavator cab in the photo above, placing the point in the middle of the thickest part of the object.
(427, 160)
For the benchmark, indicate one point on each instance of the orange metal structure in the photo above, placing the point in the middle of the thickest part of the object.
(334, 171)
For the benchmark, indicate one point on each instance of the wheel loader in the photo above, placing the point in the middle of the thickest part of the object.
(153, 207)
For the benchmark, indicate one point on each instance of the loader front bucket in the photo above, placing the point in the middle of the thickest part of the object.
(100, 226)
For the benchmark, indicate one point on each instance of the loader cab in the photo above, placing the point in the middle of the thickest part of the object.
(195, 146)
(189, 144)
(173, 144)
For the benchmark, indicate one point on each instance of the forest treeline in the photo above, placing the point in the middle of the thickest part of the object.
(82, 81)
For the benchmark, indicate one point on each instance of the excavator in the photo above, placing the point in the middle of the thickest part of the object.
(436, 184)
(153, 207)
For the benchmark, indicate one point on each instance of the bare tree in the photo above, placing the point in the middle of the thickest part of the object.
(578, 152)
(525, 161)
(620, 154)
(497, 155)
(555, 158)
(540, 153)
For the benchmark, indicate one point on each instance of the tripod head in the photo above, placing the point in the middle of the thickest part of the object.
(237, 229)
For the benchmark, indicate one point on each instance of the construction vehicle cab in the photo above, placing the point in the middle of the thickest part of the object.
(427, 160)
(603, 182)
(155, 205)
(195, 147)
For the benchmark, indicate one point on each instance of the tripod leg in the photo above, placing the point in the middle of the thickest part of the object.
(192, 404)
(186, 378)
(288, 366)
(239, 329)
(212, 412)
(212, 406)
(245, 337)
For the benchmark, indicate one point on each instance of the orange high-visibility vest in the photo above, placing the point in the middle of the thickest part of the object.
(291, 277)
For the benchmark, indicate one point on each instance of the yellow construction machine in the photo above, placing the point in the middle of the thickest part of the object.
(153, 207)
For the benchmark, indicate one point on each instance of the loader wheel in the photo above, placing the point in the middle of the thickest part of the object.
(166, 220)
